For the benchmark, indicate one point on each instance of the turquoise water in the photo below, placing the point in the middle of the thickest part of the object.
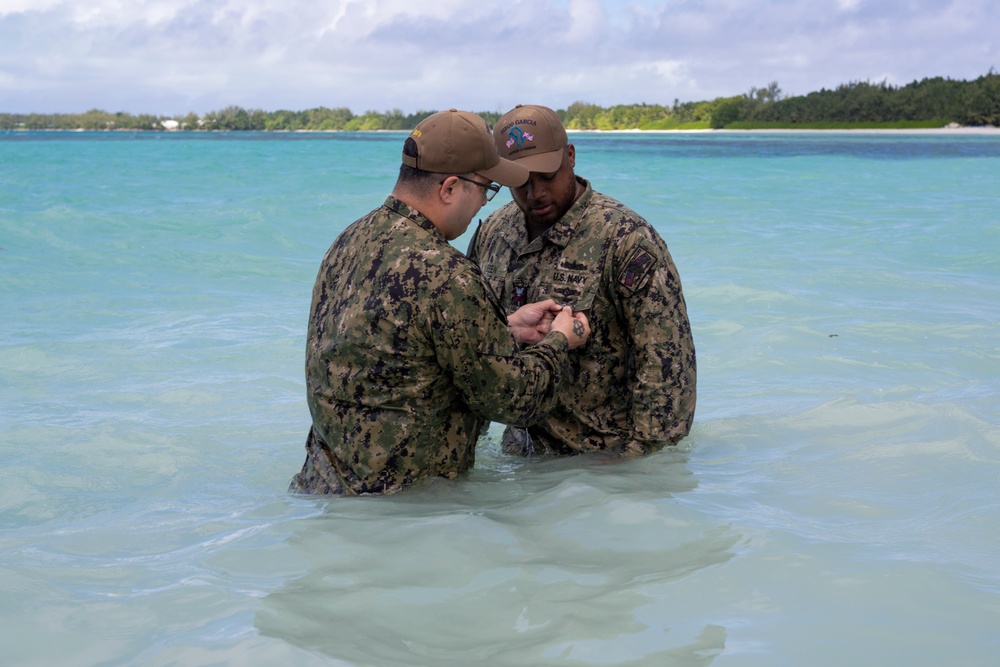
(838, 501)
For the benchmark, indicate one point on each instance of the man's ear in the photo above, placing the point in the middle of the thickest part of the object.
(446, 191)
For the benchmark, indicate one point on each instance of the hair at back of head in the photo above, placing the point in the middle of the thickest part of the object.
(413, 179)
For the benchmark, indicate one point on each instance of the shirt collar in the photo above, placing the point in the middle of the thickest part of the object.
(400, 208)
(562, 231)
(559, 233)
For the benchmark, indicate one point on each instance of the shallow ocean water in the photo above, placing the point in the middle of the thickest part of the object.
(838, 500)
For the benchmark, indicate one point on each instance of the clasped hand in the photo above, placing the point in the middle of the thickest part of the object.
(531, 323)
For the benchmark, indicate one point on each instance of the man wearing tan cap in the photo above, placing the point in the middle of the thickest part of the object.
(408, 352)
(633, 387)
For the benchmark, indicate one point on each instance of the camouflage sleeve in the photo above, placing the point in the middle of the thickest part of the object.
(498, 381)
(663, 386)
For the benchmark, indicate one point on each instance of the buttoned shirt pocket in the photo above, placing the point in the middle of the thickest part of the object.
(572, 289)
(585, 302)
(495, 276)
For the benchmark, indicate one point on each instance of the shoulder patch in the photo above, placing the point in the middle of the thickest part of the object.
(640, 265)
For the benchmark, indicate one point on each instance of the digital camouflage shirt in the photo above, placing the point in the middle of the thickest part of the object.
(407, 353)
(632, 387)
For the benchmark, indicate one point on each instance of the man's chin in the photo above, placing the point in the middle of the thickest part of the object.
(536, 220)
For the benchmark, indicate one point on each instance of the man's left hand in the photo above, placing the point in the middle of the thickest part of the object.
(531, 323)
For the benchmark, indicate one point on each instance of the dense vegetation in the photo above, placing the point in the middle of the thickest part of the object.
(927, 103)
(930, 102)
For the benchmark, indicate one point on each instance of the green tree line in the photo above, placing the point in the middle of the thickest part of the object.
(928, 103)
(932, 102)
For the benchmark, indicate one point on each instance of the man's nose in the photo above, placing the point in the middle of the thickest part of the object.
(535, 188)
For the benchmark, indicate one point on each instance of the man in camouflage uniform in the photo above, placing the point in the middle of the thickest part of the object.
(408, 351)
(633, 384)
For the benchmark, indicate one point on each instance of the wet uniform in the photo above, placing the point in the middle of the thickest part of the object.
(408, 355)
(632, 387)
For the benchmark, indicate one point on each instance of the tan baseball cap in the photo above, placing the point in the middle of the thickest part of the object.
(532, 136)
(459, 142)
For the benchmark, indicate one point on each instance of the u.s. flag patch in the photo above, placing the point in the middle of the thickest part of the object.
(640, 265)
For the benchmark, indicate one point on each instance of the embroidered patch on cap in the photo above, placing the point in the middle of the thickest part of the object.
(638, 268)
(518, 136)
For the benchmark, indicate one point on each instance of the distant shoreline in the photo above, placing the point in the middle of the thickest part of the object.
(935, 104)
(984, 129)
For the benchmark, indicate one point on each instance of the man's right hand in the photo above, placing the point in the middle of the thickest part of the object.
(574, 326)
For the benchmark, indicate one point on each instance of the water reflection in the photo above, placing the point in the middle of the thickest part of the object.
(540, 562)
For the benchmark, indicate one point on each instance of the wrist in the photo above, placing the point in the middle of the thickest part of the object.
(556, 339)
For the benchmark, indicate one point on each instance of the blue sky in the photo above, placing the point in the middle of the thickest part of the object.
(175, 56)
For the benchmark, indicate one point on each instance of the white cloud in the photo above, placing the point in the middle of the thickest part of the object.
(587, 21)
(21, 6)
(169, 56)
